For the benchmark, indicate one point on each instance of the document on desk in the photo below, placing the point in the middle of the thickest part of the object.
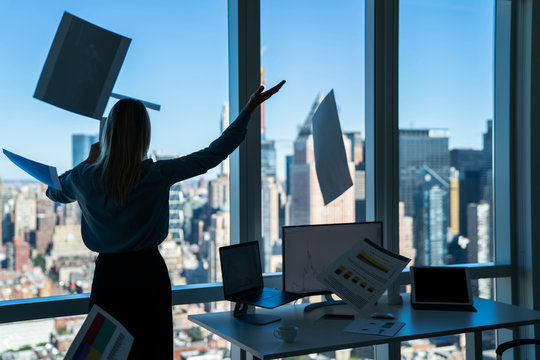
(375, 327)
(362, 274)
(100, 337)
(44, 173)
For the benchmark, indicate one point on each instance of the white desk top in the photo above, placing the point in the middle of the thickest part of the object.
(318, 334)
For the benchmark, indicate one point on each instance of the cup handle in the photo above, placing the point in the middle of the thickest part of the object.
(277, 333)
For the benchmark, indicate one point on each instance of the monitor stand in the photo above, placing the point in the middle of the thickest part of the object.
(328, 302)
(241, 314)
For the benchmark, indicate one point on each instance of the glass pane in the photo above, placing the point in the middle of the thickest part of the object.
(177, 59)
(445, 112)
(51, 338)
(316, 47)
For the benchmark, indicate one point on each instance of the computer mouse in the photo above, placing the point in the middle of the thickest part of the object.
(382, 315)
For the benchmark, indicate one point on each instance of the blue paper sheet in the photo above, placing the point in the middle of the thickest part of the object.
(44, 173)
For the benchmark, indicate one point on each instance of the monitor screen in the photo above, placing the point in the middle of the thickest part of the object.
(309, 249)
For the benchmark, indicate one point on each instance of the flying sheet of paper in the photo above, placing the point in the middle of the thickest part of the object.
(330, 156)
(362, 274)
(100, 337)
(374, 327)
(44, 173)
(81, 67)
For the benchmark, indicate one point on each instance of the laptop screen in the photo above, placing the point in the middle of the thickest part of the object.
(241, 268)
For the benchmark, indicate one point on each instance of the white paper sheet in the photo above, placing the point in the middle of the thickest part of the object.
(330, 156)
(362, 274)
(100, 337)
(374, 327)
(44, 173)
(81, 67)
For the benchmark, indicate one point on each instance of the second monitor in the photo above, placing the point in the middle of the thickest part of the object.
(310, 249)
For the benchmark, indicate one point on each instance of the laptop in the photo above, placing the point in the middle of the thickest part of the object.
(242, 277)
(441, 288)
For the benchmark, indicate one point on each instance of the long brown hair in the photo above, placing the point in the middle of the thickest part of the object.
(124, 144)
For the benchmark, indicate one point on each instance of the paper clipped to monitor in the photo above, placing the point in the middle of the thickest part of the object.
(362, 274)
(81, 67)
(331, 163)
(44, 173)
(100, 337)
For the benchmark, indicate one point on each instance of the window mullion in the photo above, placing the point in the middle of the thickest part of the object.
(244, 78)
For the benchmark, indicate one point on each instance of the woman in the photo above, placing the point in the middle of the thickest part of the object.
(124, 200)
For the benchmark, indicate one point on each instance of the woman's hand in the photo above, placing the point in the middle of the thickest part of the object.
(95, 151)
(260, 96)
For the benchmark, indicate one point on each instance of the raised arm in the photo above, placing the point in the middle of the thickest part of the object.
(201, 161)
(260, 96)
(66, 195)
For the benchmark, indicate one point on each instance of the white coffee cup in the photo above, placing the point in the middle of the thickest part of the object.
(286, 333)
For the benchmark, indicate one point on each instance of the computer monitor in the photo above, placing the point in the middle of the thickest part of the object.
(309, 249)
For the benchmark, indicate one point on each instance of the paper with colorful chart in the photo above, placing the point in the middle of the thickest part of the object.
(362, 274)
(101, 337)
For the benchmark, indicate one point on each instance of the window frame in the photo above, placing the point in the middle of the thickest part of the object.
(382, 137)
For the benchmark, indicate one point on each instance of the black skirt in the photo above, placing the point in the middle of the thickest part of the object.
(135, 289)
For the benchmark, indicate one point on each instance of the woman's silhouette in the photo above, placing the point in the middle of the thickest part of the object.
(124, 200)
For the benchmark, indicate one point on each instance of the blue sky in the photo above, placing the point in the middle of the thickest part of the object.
(178, 58)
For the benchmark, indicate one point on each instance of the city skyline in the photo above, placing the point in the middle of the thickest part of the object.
(178, 59)
(442, 83)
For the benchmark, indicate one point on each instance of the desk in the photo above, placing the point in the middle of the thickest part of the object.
(319, 335)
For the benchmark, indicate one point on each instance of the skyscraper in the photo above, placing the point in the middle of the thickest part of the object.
(225, 164)
(406, 247)
(424, 170)
(176, 200)
(357, 147)
(268, 159)
(269, 201)
(474, 174)
(480, 248)
(25, 218)
(218, 192)
(80, 146)
(418, 147)
(307, 204)
(432, 209)
(22, 253)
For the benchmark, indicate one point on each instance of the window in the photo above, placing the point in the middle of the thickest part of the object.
(316, 47)
(446, 131)
(177, 59)
(446, 107)
(284, 31)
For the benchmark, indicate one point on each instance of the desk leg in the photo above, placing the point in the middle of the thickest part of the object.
(239, 354)
(473, 341)
(391, 351)
(251, 357)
